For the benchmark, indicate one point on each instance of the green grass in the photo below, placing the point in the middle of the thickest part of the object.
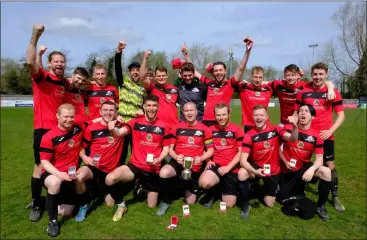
(141, 222)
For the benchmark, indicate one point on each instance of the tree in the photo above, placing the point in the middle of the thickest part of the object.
(345, 53)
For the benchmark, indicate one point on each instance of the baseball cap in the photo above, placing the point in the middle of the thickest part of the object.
(134, 65)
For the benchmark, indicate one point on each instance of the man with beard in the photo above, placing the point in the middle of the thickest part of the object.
(261, 147)
(191, 90)
(131, 94)
(103, 158)
(190, 138)
(316, 95)
(74, 93)
(48, 95)
(59, 153)
(297, 167)
(151, 145)
(223, 168)
(99, 92)
(167, 93)
(220, 89)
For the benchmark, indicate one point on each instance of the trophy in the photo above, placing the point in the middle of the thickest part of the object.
(186, 173)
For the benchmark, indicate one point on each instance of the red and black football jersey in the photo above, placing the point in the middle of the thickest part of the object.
(191, 141)
(61, 147)
(98, 137)
(226, 143)
(263, 147)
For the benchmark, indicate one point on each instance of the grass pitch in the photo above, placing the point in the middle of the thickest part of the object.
(141, 222)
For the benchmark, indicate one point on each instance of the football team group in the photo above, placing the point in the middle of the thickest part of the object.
(83, 128)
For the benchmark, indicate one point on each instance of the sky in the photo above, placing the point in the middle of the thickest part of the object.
(282, 31)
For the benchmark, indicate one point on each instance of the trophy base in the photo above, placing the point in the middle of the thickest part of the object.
(186, 175)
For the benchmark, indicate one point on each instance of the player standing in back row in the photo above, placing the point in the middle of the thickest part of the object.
(316, 95)
(48, 95)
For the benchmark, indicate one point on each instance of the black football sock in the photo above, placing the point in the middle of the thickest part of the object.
(324, 189)
(36, 186)
(334, 183)
(244, 193)
(164, 185)
(52, 206)
(83, 198)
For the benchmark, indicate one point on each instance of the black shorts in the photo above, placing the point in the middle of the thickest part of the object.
(291, 184)
(67, 194)
(99, 177)
(247, 128)
(270, 185)
(191, 185)
(209, 123)
(37, 137)
(228, 181)
(150, 181)
(329, 151)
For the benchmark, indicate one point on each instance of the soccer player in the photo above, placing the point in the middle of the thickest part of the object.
(99, 92)
(104, 157)
(261, 147)
(190, 138)
(287, 90)
(59, 153)
(220, 89)
(150, 147)
(167, 93)
(131, 94)
(227, 138)
(316, 95)
(48, 95)
(74, 91)
(252, 94)
(191, 90)
(297, 168)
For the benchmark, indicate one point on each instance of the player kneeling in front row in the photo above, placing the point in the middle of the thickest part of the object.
(261, 144)
(190, 139)
(103, 159)
(223, 168)
(297, 167)
(151, 141)
(59, 158)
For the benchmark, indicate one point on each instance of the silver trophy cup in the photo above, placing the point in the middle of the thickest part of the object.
(186, 173)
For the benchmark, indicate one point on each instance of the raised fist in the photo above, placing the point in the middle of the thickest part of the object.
(121, 45)
(301, 72)
(248, 42)
(111, 125)
(184, 49)
(147, 53)
(38, 29)
(42, 50)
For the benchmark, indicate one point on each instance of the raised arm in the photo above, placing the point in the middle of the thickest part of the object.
(143, 69)
(115, 131)
(237, 75)
(330, 90)
(118, 69)
(186, 54)
(32, 49)
(293, 136)
(41, 51)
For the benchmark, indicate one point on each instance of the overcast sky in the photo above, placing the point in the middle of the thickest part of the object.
(282, 31)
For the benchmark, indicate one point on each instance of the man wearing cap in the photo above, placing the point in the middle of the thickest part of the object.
(131, 94)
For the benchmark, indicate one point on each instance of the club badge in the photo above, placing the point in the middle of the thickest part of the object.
(71, 143)
(149, 137)
(300, 144)
(102, 100)
(216, 90)
(316, 102)
(266, 144)
(257, 94)
(168, 96)
(223, 142)
(191, 140)
(110, 139)
(77, 96)
(62, 89)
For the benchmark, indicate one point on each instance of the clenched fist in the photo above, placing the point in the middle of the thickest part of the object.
(121, 45)
(42, 50)
(111, 125)
(147, 53)
(38, 29)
